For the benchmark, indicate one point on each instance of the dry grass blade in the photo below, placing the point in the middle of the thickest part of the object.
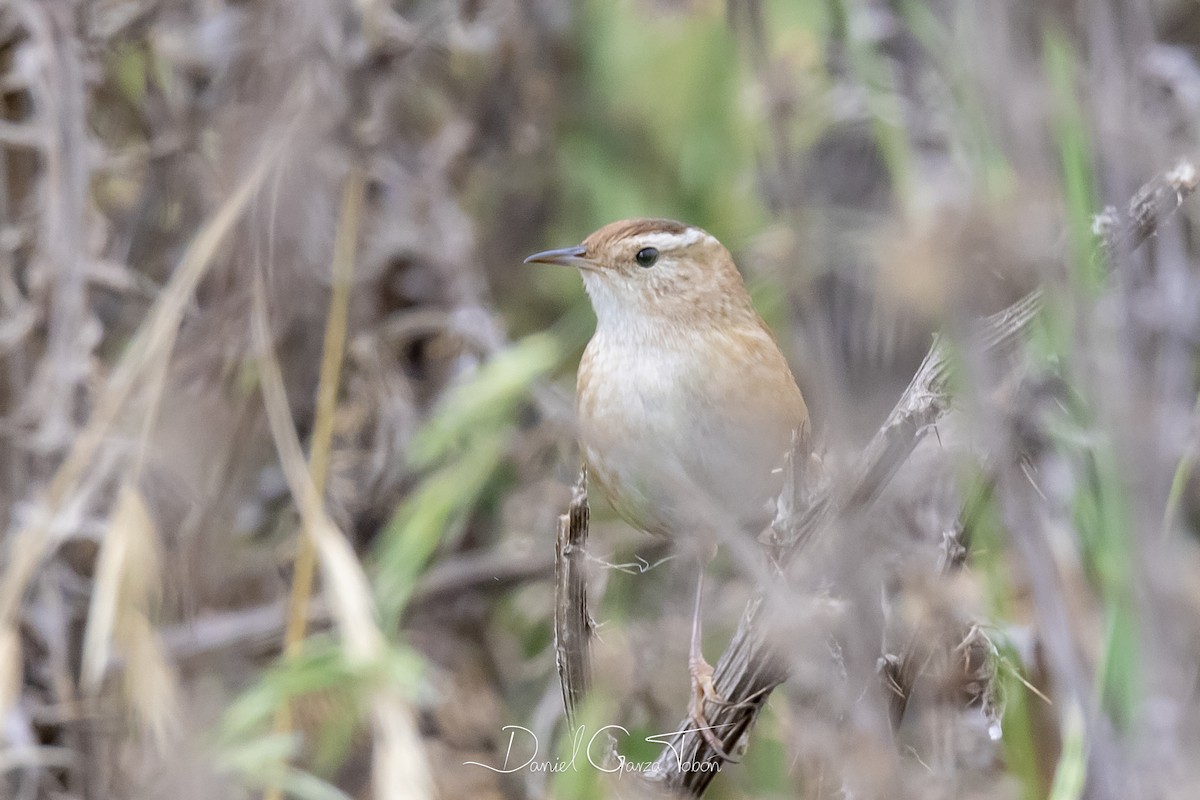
(398, 751)
(130, 521)
(126, 586)
(150, 681)
(10, 666)
(350, 596)
(327, 389)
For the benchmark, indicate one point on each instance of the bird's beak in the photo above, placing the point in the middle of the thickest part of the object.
(563, 257)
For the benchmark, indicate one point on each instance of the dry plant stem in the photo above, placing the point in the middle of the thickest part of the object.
(573, 624)
(67, 169)
(747, 671)
(398, 748)
(344, 248)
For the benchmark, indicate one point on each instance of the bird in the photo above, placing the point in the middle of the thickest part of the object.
(686, 406)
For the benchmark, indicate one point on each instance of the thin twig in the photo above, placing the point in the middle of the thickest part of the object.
(261, 628)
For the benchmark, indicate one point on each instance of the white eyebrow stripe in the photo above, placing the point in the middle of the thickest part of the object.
(670, 241)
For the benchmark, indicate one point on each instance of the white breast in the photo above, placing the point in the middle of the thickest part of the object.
(671, 459)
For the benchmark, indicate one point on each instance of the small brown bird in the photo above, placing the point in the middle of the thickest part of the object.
(686, 405)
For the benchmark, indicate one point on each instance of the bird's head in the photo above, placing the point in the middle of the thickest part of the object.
(645, 270)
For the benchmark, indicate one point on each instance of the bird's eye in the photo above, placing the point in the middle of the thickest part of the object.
(646, 257)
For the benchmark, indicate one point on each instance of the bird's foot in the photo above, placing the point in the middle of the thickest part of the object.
(703, 691)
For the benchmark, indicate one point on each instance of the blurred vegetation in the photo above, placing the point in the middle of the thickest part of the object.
(881, 170)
